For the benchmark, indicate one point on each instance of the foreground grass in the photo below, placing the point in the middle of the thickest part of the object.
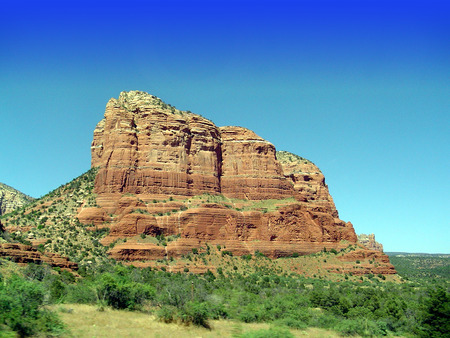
(87, 321)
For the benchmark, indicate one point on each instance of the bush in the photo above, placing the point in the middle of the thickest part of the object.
(292, 322)
(195, 313)
(275, 332)
(120, 293)
(81, 293)
(20, 308)
(167, 314)
(361, 327)
(226, 252)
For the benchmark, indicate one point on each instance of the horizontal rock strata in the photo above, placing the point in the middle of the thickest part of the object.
(21, 253)
(153, 159)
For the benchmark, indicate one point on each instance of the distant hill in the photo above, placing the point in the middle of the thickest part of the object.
(416, 254)
(421, 266)
(11, 199)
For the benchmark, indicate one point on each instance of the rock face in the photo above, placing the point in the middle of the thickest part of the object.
(144, 146)
(250, 169)
(11, 199)
(383, 265)
(307, 180)
(21, 253)
(369, 242)
(148, 152)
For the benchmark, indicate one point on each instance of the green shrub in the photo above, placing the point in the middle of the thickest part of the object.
(275, 332)
(57, 289)
(20, 308)
(292, 322)
(226, 252)
(167, 314)
(247, 257)
(195, 313)
(82, 293)
(361, 327)
(259, 254)
(120, 293)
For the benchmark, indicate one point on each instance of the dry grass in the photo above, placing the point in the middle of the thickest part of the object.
(87, 321)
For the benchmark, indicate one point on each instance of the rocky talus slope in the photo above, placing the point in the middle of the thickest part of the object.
(11, 199)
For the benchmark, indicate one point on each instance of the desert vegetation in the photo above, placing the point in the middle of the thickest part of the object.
(372, 307)
(257, 296)
(50, 223)
(422, 267)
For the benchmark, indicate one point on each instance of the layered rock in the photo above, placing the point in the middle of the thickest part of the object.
(146, 150)
(250, 169)
(382, 266)
(307, 179)
(210, 222)
(11, 199)
(21, 253)
(144, 146)
(369, 242)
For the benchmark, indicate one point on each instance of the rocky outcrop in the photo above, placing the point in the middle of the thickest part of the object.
(369, 242)
(209, 222)
(11, 199)
(144, 146)
(250, 169)
(307, 180)
(21, 253)
(380, 262)
(153, 159)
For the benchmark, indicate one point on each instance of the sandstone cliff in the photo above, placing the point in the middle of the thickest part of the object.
(154, 161)
(166, 183)
(144, 146)
(369, 242)
(11, 199)
(307, 180)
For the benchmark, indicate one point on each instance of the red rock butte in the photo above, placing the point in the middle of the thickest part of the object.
(154, 162)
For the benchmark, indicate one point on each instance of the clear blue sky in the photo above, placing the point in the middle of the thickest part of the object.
(361, 88)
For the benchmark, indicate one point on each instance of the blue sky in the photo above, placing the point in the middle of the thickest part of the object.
(361, 88)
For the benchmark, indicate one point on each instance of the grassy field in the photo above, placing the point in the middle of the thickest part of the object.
(87, 321)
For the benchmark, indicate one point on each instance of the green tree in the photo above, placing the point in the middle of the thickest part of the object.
(20, 308)
(436, 320)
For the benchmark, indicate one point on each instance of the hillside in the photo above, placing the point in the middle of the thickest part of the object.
(421, 267)
(11, 199)
(51, 225)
